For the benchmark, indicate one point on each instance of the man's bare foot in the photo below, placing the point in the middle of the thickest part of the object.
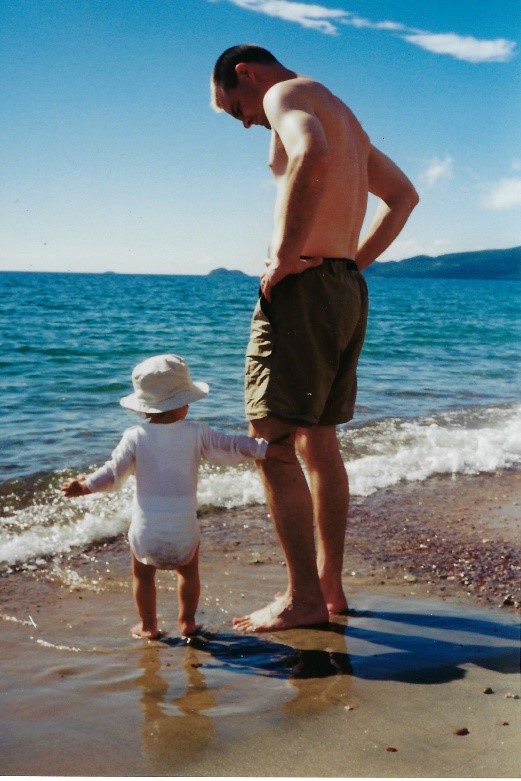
(189, 628)
(333, 593)
(338, 607)
(280, 615)
(144, 634)
(339, 611)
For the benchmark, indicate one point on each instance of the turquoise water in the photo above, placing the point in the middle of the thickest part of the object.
(439, 386)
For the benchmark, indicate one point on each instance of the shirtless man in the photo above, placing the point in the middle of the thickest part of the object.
(309, 324)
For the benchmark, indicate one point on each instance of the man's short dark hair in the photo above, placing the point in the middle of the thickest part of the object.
(224, 75)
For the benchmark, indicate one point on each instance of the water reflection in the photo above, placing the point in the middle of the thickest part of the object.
(175, 721)
(188, 685)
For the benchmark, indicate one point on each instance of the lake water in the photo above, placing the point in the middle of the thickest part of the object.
(439, 388)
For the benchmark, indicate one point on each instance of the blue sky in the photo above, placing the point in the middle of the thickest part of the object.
(111, 159)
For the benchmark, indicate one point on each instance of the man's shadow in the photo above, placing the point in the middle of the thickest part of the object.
(370, 644)
(436, 654)
(253, 655)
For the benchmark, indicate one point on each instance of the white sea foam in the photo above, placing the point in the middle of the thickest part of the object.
(50, 529)
(452, 443)
(377, 455)
(234, 487)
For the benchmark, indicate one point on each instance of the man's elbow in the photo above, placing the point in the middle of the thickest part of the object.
(411, 199)
(404, 201)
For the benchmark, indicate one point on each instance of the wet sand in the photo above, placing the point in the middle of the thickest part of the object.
(421, 679)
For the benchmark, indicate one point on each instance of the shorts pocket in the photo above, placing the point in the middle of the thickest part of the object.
(261, 340)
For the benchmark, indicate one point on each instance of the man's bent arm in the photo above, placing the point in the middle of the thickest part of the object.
(305, 176)
(399, 198)
(307, 152)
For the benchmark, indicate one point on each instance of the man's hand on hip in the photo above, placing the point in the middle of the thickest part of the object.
(276, 271)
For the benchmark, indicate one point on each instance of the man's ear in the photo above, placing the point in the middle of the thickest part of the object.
(244, 69)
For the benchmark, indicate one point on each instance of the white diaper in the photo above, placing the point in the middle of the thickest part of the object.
(163, 541)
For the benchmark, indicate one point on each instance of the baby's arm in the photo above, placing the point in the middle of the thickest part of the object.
(231, 449)
(76, 486)
(110, 476)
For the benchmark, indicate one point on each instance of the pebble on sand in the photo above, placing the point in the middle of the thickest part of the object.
(461, 731)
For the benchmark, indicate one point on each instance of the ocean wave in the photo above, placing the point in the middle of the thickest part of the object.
(35, 533)
(468, 441)
(377, 455)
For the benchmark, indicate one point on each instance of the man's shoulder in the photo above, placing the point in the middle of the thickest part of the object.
(307, 94)
(300, 85)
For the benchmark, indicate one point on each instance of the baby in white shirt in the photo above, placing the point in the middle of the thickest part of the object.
(164, 454)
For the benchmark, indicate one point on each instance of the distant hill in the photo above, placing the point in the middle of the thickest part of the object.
(226, 272)
(485, 264)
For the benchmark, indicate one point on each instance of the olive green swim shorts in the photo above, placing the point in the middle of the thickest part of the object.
(304, 346)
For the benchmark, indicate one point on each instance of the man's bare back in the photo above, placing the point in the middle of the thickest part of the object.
(337, 223)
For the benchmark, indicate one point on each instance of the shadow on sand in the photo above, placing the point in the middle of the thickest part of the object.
(413, 647)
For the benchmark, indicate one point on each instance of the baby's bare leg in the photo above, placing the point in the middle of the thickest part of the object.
(144, 588)
(188, 591)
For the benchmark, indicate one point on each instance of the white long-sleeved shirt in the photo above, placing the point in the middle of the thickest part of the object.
(165, 458)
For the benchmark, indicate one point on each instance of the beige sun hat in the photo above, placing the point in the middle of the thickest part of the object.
(162, 383)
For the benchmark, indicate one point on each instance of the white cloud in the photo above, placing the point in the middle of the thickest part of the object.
(311, 16)
(437, 170)
(504, 194)
(464, 47)
(327, 20)
(359, 21)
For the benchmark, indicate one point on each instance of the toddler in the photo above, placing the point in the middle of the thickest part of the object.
(164, 454)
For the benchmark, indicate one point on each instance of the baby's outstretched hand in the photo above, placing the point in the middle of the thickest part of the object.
(76, 486)
(282, 451)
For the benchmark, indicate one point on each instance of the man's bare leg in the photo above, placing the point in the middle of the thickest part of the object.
(319, 449)
(290, 504)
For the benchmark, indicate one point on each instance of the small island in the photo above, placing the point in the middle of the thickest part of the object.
(226, 272)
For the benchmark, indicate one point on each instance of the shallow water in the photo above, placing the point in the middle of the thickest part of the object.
(221, 704)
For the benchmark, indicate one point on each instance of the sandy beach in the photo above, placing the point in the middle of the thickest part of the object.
(421, 679)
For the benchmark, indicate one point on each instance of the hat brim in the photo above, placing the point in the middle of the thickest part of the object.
(197, 390)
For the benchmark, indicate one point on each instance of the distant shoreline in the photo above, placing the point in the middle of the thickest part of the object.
(492, 264)
(501, 264)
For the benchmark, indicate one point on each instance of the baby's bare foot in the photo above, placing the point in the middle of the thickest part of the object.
(189, 628)
(144, 634)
